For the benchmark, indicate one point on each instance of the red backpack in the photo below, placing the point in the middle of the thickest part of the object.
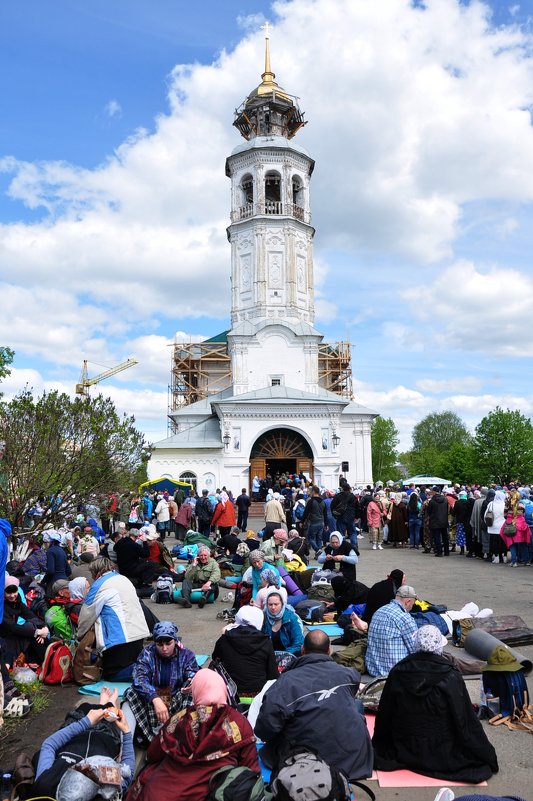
(57, 664)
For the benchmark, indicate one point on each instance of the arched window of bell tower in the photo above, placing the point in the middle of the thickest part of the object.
(298, 197)
(273, 203)
(247, 196)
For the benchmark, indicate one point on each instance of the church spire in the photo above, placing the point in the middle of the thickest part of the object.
(269, 109)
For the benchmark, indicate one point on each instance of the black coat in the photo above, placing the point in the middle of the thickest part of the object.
(437, 512)
(248, 656)
(426, 723)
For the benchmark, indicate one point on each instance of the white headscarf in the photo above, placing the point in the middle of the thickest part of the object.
(250, 616)
(78, 588)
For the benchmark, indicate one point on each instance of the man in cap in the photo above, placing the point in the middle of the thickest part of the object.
(202, 574)
(390, 633)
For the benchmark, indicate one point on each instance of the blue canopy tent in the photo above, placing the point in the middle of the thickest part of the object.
(164, 483)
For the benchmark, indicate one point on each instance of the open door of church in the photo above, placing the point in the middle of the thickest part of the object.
(281, 451)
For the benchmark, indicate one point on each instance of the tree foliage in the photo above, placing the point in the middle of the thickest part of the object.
(433, 438)
(6, 357)
(385, 438)
(504, 446)
(78, 449)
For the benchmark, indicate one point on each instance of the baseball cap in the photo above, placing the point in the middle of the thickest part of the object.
(406, 591)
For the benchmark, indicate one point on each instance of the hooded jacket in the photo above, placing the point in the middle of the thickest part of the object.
(312, 703)
(113, 607)
(438, 511)
(248, 656)
(426, 723)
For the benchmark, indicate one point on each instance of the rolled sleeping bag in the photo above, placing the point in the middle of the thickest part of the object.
(481, 644)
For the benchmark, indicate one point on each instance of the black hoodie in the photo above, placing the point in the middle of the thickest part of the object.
(248, 656)
(438, 511)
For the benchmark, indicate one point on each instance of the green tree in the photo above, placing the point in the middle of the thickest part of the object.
(56, 447)
(385, 439)
(459, 463)
(433, 437)
(6, 358)
(504, 446)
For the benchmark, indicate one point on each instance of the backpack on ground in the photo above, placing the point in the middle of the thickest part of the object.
(303, 776)
(235, 784)
(352, 656)
(510, 687)
(310, 610)
(87, 665)
(163, 589)
(59, 623)
(57, 664)
(321, 592)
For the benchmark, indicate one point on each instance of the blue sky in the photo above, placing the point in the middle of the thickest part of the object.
(113, 200)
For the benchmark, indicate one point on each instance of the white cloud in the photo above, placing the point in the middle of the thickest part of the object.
(113, 109)
(479, 311)
(468, 383)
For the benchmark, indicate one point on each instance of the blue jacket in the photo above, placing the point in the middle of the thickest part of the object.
(5, 532)
(290, 634)
(57, 566)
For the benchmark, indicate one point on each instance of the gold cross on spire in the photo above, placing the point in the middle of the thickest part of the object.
(268, 75)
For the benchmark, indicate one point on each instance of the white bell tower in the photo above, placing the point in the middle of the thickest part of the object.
(271, 240)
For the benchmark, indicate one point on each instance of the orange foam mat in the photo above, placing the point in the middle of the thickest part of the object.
(406, 778)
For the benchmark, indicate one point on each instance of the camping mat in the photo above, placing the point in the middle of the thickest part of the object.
(481, 644)
(331, 629)
(97, 687)
(407, 778)
(510, 629)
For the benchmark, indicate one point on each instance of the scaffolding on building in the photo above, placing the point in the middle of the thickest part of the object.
(200, 369)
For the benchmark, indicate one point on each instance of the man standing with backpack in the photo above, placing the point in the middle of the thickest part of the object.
(315, 520)
(204, 514)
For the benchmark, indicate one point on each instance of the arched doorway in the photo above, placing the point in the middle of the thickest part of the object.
(281, 451)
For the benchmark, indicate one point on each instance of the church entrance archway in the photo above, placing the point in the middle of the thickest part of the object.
(281, 451)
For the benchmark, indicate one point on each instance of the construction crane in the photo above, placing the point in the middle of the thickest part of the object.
(82, 387)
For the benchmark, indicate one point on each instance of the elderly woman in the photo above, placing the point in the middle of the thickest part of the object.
(282, 624)
(21, 632)
(398, 524)
(161, 678)
(113, 608)
(194, 744)
(426, 722)
(340, 557)
(247, 652)
(269, 578)
(298, 545)
(273, 548)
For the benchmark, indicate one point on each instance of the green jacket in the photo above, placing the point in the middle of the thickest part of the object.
(199, 574)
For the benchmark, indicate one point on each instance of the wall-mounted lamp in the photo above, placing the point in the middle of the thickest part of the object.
(335, 439)
(226, 439)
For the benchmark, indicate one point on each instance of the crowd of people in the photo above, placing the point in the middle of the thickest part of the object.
(183, 718)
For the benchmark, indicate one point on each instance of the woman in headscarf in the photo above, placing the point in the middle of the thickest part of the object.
(298, 545)
(269, 578)
(20, 630)
(339, 556)
(246, 652)
(224, 515)
(426, 722)
(498, 548)
(273, 547)
(194, 744)
(161, 678)
(398, 525)
(282, 624)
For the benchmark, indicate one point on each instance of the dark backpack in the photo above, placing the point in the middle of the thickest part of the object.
(235, 784)
(510, 687)
(310, 610)
(303, 776)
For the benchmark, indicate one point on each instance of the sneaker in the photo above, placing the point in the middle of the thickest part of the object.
(202, 602)
(360, 536)
(505, 560)
(380, 547)
(514, 564)
(445, 794)
(374, 547)
(495, 560)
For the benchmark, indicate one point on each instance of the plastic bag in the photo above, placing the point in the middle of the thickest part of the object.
(24, 675)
